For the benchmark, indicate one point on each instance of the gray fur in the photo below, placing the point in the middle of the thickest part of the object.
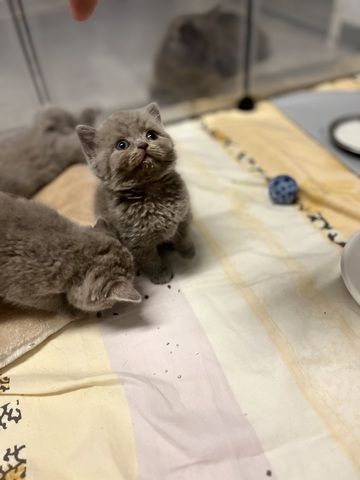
(141, 196)
(200, 51)
(32, 157)
(50, 263)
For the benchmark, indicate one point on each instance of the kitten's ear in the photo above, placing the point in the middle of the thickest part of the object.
(189, 33)
(84, 298)
(125, 292)
(101, 225)
(87, 136)
(153, 110)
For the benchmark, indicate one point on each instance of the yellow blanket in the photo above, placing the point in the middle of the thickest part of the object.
(246, 366)
(21, 331)
(279, 146)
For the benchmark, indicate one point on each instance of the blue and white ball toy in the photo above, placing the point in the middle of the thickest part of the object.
(283, 190)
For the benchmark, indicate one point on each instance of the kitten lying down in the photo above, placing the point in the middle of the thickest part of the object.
(49, 263)
(32, 157)
(141, 196)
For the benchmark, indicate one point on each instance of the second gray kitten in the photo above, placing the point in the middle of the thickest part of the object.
(141, 196)
(201, 51)
(49, 263)
(32, 157)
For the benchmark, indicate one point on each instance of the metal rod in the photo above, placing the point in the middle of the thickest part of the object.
(247, 102)
(248, 47)
(24, 50)
(33, 50)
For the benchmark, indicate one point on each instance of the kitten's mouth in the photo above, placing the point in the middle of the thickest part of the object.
(148, 161)
(144, 162)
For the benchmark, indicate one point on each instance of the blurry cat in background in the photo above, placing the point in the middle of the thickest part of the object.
(49, 263)
(199, 52)
(32, 157)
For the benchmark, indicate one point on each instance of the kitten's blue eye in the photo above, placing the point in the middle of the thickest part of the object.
(151, 135)
(122, 145)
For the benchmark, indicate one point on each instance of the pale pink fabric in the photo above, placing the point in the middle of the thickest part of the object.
(187, 424)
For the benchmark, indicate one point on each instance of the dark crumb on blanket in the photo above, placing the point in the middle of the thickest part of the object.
(179, 376)
(324, 313)
(179, 290)
(169, 286)
(98, 314)
(268, 473)
(197, 353)
(166, 371)
(115, 313)
(168, 343)
(177, 344)
(171, 352)
(146, 297)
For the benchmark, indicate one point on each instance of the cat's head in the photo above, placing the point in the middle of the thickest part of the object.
(109, 277)
(57, 120)
(54, 120)
(207, 41)
(130, 148)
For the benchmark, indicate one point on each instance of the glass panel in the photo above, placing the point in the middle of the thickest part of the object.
(18, 99)
(306, 43)
(186, 54)
(132, 51)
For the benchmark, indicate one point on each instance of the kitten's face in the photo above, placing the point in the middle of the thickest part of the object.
(109, 279)
(207, 41)
(129, 148)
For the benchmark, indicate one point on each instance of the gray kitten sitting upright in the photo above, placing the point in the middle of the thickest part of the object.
(141, 196)
(32, 157)
(49, 263)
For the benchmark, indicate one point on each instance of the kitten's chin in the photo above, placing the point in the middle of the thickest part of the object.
(148, 162)
(153, 165)
(142, 178)
(147, 169)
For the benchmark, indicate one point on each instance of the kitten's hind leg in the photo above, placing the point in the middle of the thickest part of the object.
(150, 262)
(182, 242)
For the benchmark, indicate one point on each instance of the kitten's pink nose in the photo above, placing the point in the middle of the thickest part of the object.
(142, 145)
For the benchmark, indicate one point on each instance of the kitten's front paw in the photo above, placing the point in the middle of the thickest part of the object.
(188, 251)
(162, 276)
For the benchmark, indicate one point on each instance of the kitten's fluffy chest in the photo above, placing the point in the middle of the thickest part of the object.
(153, 212)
